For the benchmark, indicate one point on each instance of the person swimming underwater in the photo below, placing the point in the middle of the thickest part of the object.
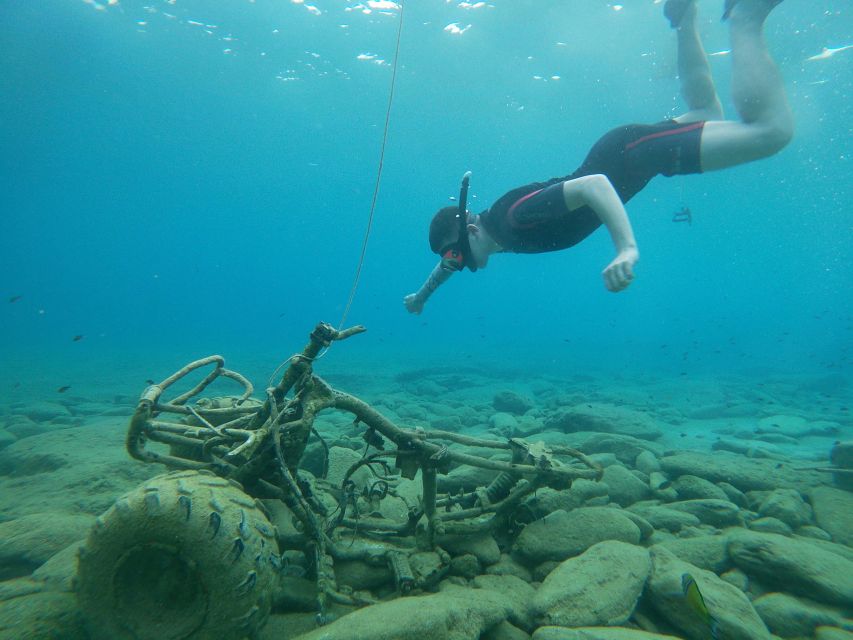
(561, 212)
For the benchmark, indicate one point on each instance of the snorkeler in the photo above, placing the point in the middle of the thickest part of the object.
(559, 213)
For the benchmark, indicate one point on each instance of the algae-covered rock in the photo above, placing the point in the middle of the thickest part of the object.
(647, 462)
(717, 513)
(481, 545)
(832, 633)
(626, 448)
(507, 566)
(6, 438)
(295, 594)
(44, 411)
(511, 402)
(29, 541)
(746, 474)
(645, 527)
(770, 525)
(833, 510)
(690, 487)
(597, 633)
(624, 488)
(340, 460)
(288, 626)
(661, 517)
(516, 593)
(455, 614)
(59, 570)
(599, 587)
(811, 531)
(465, 566)
(788, 506)
(735, 615)
(707, 552)
(547, 500)
(796, 566)
(505, 631)
(41, 616)
(562, 535)
(604, 418)
(790, 617)
(361, 575)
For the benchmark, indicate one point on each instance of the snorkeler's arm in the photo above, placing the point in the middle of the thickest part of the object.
(597, 193)
(415, 301)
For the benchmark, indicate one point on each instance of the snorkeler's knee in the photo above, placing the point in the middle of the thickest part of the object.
(770, 137)
(777, 135)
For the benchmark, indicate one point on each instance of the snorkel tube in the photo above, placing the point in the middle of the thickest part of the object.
(462, 216)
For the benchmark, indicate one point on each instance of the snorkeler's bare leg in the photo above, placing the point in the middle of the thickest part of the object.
(694, 72)
(766, 124)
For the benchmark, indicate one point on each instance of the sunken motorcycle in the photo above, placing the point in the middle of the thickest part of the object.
(200, 552)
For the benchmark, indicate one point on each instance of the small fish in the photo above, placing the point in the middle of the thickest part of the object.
(14, 299)
(64, 388)
(683, 215)
(77, 338)
(828, 52)
(694, 598)
(150, 381)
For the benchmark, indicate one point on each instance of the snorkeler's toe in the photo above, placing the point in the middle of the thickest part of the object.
(674, 11)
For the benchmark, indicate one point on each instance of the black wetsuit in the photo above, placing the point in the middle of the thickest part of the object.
(534, 218)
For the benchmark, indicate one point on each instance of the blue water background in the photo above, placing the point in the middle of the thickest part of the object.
(170, 189)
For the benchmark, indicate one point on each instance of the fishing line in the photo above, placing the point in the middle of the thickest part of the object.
(378, 173)
(376, 184)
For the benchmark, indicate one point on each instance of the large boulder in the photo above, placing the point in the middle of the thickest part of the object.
(661, 517)
(747, 474)
(690, 487)
(340, 461)
(562, 535)
(604, 418)
(511, 402)
(41, 616)
(29, 541)
(788, 506)
(735, 616)
(597, 633)
(794, 565)
(517, 594)
(481, 545)
(455, 614)
(599, 587)
(717, 513)
(790, 617)
(833, 510)
(706, 552)
(624, 488)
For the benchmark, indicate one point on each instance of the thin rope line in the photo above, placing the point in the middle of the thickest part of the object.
(378, 174)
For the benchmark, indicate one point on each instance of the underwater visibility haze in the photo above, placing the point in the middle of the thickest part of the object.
(181, 178)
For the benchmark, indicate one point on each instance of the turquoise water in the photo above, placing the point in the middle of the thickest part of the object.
(181, 178)
(169, 185)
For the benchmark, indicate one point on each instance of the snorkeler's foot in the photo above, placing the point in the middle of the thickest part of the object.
(730, 4)
(676, 10)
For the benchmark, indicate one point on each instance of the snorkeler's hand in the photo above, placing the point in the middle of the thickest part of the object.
(413, 303)
(619, 273)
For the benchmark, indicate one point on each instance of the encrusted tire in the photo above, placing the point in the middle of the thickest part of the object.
(187, 555)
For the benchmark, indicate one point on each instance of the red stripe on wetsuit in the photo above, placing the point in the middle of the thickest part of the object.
(510, 214)
(661, 134)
